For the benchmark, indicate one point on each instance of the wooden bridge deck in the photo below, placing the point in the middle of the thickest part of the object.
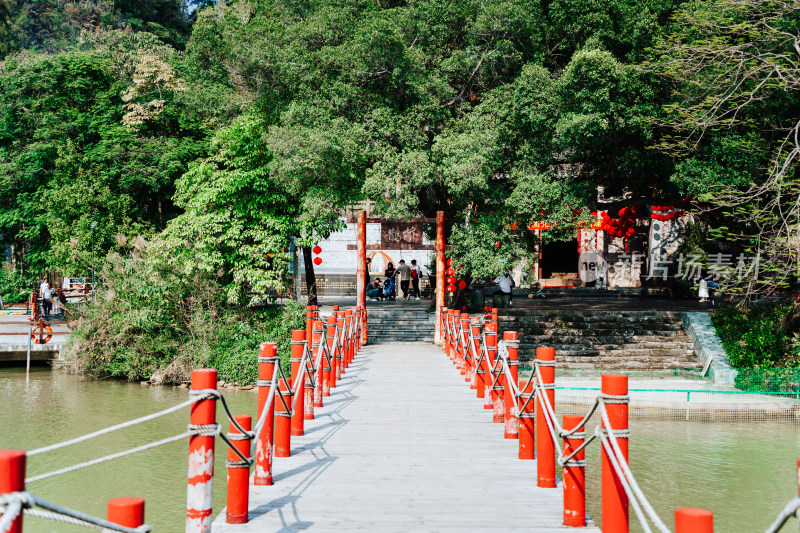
(402, 445)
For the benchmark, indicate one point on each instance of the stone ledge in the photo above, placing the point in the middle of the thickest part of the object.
(708, 345)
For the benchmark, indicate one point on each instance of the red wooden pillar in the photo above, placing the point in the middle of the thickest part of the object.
(12, 479)
(298, 373)
(334, 352)
(201, 456)
(283, 417)
(439, 273)
(361, 277)
(238, 496)
(546, 455)
(614, 500)
(511, 430)
(526, 418)
(491, 353)
(267, 359)
(574, 475)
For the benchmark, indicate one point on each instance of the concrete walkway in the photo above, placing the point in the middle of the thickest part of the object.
(14, 333)
(402, 445)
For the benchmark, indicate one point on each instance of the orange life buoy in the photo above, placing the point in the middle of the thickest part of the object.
(37, 333)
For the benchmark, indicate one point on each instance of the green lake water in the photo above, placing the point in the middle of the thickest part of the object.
(743, 472)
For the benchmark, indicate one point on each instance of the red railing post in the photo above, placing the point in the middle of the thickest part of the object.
(128, 512)
(480, 373)
(449, 345)
(465, 343)
(201, 456)
(348, 352)
(267, 359)
(510, 403)
(309, 321)
(614, 504)
(12, 479)
(574, 474)
(526, 418)
(283, 417)
(456, 335)
(298, 373)
(334, 350)
(474, 342)
(319, 383)
(546, 454)
(689, 520)
(238, 497)
(488, 374)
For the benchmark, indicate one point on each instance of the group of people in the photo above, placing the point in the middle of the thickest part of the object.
(408, 275)
(49, 297)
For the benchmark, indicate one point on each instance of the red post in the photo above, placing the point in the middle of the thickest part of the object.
(526, 418)
(309, 320)
(298, 373)
(267, 359)
(201, 456)
(319, 382)
(283, 417)
(128, 512)
(480, 374)
(308, 385)
(546, 455)
(614, 505)
(350, 346)
(439, 271)
(510, 403)
(360, 314)
(490, 330)
(474, 342)
(498, 391)
(574, 475)
(361, 276)
(326, 364)
(238, 497)
(12, 479)
(448, 322)
(688, 520)
(466, 367)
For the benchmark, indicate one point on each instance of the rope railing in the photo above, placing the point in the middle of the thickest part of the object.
(281, 405)
(532, 400)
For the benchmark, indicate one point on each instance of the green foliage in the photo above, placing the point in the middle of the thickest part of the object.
(752, 336)
(769, 380)
(14, 287)
(149, 322)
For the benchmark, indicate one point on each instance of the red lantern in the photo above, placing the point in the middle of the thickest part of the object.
(451, 280)
(317, 260)
(449, 262)
(316, 250)
(450, 288)
(462, 284)
(449, 272)
(464, 308)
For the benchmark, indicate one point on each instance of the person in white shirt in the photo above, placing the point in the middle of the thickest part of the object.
(47, 299)
(504, 282)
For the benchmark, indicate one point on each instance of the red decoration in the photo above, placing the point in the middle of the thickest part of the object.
(449, 272)
(450, 288)
(450, 280)
(449, 262)
(316, 250)
(462, 284)
(464, 308)
(317, 260)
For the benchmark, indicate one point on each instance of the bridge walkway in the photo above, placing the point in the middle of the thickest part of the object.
(402, 444)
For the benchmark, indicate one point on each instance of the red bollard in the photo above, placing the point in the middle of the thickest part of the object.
(267, 359)
(574, 475)
(510, 403)
(546, 455)
(298, 412)
(480, 373)
(494, 315)
(12, 479)
(348, 352)
(490, 331)
(498, 391)
(474, 346)
(614, 505)
(283, 417)
(335, 308)
(201, 456)
(689, 520)
(309, 402)
(327, 364)
(309, 321)
(128, 512)
(456, 324)
(448, 347)
(464, 345)
(344, 344)
(238, 497)
(526, 417)
(319, 382)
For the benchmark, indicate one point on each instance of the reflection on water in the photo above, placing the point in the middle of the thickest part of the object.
(743, 472)
(53, 407)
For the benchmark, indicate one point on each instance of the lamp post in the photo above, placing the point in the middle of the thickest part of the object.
(93, 226)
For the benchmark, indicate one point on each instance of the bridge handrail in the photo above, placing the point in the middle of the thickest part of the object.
(792, 509)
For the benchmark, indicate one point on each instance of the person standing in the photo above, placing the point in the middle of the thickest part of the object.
(404, 272)
(702, 291)
(47, 299)
(504, 287)
(416, 275)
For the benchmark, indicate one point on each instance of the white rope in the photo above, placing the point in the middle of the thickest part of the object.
(64, 514)
(263, 418)
(134, 422)
(14, 503)
(792, 509)
(112, 456)
(626, 472)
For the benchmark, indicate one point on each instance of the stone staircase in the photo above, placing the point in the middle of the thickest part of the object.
(400, 322)
(604, 339)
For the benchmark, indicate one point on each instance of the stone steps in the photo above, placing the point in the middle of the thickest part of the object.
(393, 325)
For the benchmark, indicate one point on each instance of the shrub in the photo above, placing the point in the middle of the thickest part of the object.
(149, 322)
